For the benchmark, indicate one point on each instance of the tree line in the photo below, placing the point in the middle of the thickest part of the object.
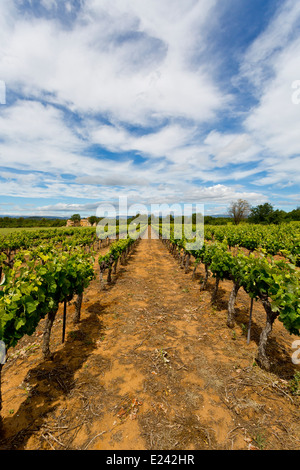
(19, 222)
(238, 211)
(262, 214)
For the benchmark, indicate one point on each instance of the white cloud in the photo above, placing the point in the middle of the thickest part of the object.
(125, 59)
(36, 137)
(261, 58)
(41, 148)
(219, 195)
(271, 65)
(131, 61)
(161, 143)
(134, 63)
(231, 148)
(275, 122)
(49, 4)
(282, 172)
(30, 121)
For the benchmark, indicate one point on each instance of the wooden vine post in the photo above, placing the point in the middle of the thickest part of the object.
(250, 321)
(64, 321)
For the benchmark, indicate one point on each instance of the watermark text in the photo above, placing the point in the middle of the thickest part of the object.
(2, 92)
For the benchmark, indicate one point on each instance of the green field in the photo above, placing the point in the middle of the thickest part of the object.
(6, 230)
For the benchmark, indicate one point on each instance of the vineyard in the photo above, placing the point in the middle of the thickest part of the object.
(142, 342)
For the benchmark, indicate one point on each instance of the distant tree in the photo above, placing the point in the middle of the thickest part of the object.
(239, 210)
(93, 219)
(76, 218)
(197, 217)
(278, 216)
(210, 220)
(295, 214)
(262, 214)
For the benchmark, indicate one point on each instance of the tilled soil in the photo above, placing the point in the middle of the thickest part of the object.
(152, 365)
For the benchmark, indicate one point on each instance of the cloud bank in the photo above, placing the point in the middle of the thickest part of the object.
(108, 98)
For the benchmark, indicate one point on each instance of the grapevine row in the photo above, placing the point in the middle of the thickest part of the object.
(281, 240)
(40, 279)
(34, 289)
(273, 282)
(118, 251)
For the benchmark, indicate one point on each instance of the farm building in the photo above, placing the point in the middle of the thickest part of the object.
(80, 223)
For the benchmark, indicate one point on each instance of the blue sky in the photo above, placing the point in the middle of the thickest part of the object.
(159, 101)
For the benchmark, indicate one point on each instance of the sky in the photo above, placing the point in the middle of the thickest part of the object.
(157, 101)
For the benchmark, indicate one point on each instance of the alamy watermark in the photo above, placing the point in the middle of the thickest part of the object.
(188, 221)
(2, 352)
(2, 92)
(296, 354)
(296, 94)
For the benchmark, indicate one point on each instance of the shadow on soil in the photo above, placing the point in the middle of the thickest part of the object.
(52, 379)
(121, 269)
(280, 360)
(281, 364)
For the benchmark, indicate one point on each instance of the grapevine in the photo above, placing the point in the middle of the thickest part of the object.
(273, 282)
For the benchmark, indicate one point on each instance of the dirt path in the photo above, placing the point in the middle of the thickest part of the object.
(152, 365)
